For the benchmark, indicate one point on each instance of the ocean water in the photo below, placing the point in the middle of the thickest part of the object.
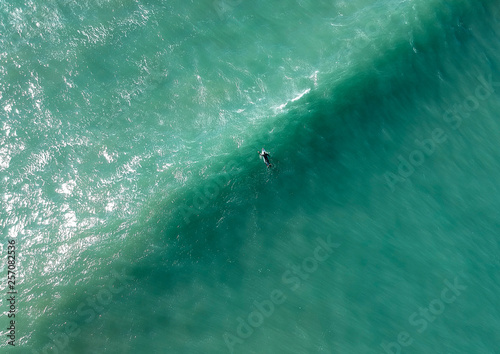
(145, 222)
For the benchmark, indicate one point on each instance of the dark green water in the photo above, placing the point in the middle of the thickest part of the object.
(145, 222)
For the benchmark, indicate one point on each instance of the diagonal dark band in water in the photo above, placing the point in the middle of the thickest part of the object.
(198, 232)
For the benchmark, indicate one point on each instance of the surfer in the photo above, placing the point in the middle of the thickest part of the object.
(265, 155)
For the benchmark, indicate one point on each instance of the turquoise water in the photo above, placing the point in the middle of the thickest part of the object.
(145, 222)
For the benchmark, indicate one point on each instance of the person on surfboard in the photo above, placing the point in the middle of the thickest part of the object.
(265, 155)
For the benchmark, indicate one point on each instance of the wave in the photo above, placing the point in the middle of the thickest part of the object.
(203, 232)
